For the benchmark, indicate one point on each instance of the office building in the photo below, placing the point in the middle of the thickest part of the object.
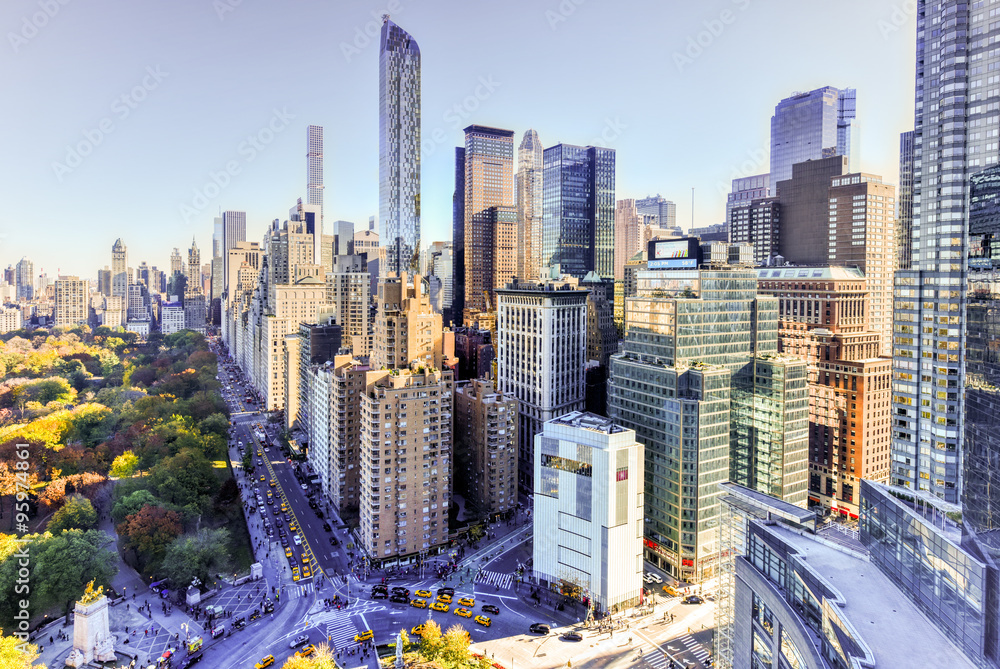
(347, 292)
(486, 449)
(744, 191)
(665, 211)
(700, 381)
(104, 281)
(171, 317)
(813, 125)
(475, 352)
(399, 147)
(793, 594)
(529, 206)
(314, 169)
(195, 311)
(177, 267)
(72, 304)
(578, 210)
(602, 335)
(366, 243)
(234, 231)
(10, 319)
(631, 228)
(313, 345)
(757, 222)
(458, 235)
(25, 279)
(904, 203)
(119, 269)
(588, 511)
(489, 224)
(822, 319)
(929, 345)
(137, 306)
(193, 269)
(541, 354)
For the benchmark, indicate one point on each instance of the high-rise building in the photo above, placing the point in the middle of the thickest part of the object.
(177, 267)
(929, 346)
(541, 354)
(813, 125)
(234, 231)
(348, 292)
(591, 470)
(399, 147)
(366, 243)
(822, 318)
(25, 279)
(171, 317)
(529, 206)
(602, 335)
(664, 210)
(757, 222)
(701, 382)
(904, 203)
(343, 237)
(489, 226)
(441, 259)
(194, 268)
(578, 210)
(744, 191)
(458, 235)
(475, 352)
(314, 168)
(486, 448)
(410, 332)
(72, 305)
(119, 269)
(629, 231)
(104, 281)
(10, 319)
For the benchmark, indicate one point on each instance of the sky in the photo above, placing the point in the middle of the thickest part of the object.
(142, 120)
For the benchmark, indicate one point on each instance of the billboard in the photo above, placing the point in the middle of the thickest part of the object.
(684, 253)
(671, 249)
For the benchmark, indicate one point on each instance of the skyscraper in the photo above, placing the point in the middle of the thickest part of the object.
(529, 206)
(578, 210)
(458, 235)
(628, 234)
(314, 168)
(490, 222)
(176, 266)
(234, 231)
(929, 334)
(25, 278)
(664, 210)
(812, 125)
(399, 147)
(904, 203)
(72, 305)
(119, 269)
(194, 268)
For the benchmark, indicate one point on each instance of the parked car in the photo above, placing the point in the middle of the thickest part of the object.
(572, 636)
(540, 628)
(399, 599)
(692, 599)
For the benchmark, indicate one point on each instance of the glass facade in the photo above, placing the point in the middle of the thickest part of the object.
(947, 582)
(529, 206)
(399, 148)
(809, 126)
(578, 210)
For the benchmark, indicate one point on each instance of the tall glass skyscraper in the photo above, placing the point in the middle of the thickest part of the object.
(399, 147)
(954, 136)
(812, 125)
(529, 206)
(314, 168)
(578, 210)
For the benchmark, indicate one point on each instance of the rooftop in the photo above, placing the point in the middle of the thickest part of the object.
(895, 631)
(588, 421)
(836, 273)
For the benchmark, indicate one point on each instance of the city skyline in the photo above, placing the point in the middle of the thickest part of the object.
(171, 133)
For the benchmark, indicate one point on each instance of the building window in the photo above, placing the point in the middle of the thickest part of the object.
(791, 654)
(762, 656)
(762, 615)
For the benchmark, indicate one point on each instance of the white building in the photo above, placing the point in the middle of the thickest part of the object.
(172, 317)
(140, 327)
(541, 353)
(10, 319)
(72, 301)
(588, 508)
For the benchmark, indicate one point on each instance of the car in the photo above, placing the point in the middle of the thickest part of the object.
(467, 601)
(398, 590)
(423, 593)
(273, 483)
(438, 606)
(305, 652)
(265, 661)
(312, 504)
(418, 630)
(295, 576)
(263, 478)
(484, 621)
(671, 591)
(333, 541)
(445, 599)
(692, 599)
(260, 462)
(418, 603)
(399, 599)
(379, 594)
(298, 641)
(306, 573)
(572, 636)
(489, 608)
(367, 635)
(326, 527)
(296, 539)
(293, 527)
(446, 591)
(540, 628)
(270, 502)
(305, 487)
(284, 541)
(305, 557)
(464, 612)
(267, 450)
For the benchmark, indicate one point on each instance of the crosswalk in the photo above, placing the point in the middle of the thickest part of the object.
(495, 578)
(340, 631)
(688, 644)
(653, 656)
(296, 591)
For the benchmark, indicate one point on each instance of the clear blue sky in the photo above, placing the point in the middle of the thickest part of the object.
(574, 70)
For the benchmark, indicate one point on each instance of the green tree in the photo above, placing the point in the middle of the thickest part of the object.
(76, 513)
(186, 479)
(124, 465)
(17, 655)
(132, 503)
(201, 554)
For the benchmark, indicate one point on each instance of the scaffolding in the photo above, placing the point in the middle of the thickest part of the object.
(735, 517)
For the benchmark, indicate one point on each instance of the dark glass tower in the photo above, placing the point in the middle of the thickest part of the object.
(578, 210)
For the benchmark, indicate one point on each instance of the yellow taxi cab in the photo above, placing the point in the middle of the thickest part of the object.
(262, 478)
(465, 613)
(306, 651)
(484, 621)
(288, 552)
(265, 661)
(273, 483)
(438, 606)
(292, 527)
(445, 599)
(423, 593)
(418, 603)
(417, 631)
(467, 601)
(295, 573)
(305, 572)
(367, 635)
(305, 558)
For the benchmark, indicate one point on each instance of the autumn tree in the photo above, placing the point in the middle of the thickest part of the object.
(321, 658)
(76, 513)
(15, 654)
(125, 465)
(149, 532)
(132, 503)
